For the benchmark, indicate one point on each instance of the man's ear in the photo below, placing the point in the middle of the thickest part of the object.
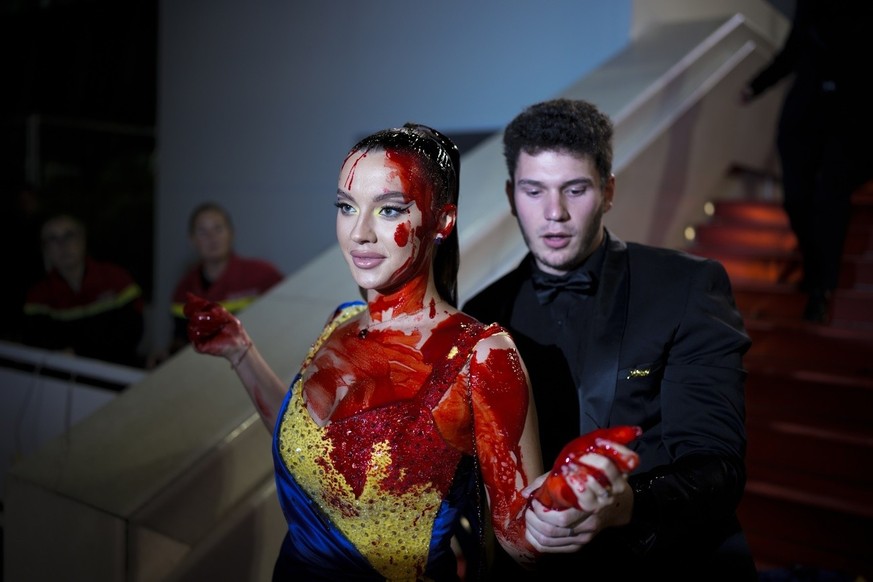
(608, 193)
(510, 194)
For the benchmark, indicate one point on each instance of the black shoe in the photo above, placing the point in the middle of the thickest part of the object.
(817, 306)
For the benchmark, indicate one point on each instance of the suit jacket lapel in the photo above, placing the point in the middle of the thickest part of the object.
(600, 353)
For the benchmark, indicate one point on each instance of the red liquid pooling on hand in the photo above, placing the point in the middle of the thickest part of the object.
(556, 493)
(210, 326)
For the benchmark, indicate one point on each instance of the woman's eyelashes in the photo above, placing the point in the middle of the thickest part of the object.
(394, 211)
(344, 207)
(387, 211)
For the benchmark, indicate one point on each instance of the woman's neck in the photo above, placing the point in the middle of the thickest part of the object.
(418, 297)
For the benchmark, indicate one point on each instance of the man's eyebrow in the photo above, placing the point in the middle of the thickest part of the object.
(573, 182)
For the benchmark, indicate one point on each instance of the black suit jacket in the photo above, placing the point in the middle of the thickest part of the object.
(664, 351)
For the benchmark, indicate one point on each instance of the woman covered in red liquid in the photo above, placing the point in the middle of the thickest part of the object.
(403, 401)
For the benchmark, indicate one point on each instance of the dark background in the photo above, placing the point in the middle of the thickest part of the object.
(78, 132)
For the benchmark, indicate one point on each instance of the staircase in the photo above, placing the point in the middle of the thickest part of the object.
(809, 394)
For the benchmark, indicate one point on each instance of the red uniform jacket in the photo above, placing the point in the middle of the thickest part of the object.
(103, 320)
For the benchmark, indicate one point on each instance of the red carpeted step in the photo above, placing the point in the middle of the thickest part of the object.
(791, 517)
(761, 265)
(809, 390)
(776, 266)
(757, 212)
(768, 301)
(749, 236)
(862, 205)
(832, 452)
(859, 240)
(856, 272)
(794, 346)
(760, 300)
(781, 560)
(816, 398)
(853, 308)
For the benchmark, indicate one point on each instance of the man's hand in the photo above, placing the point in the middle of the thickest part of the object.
(585, 492)
(571, 471)
(599, 507)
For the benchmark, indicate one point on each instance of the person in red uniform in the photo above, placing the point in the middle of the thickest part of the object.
(220, 275)
(82, 306)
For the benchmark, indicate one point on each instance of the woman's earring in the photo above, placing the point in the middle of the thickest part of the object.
(438, 239)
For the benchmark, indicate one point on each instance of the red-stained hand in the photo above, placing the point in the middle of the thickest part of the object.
(211, 328)
(571, 472)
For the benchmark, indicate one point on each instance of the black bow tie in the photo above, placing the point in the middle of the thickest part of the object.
(547, 286)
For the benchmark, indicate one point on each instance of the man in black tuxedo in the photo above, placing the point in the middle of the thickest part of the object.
(617, 333)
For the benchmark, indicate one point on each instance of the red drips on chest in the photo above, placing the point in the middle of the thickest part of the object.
(392, 387)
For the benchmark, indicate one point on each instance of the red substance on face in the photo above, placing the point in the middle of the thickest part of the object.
(418, 188)
(351, 176)
(401, 234)
(406, 168)
(414, 180)
(556, 493)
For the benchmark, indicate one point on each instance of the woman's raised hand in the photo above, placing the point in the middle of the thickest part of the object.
(212, 329)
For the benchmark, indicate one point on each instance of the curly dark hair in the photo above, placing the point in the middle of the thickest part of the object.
(566, 125)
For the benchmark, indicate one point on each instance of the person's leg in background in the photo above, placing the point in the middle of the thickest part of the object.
(813, 192)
